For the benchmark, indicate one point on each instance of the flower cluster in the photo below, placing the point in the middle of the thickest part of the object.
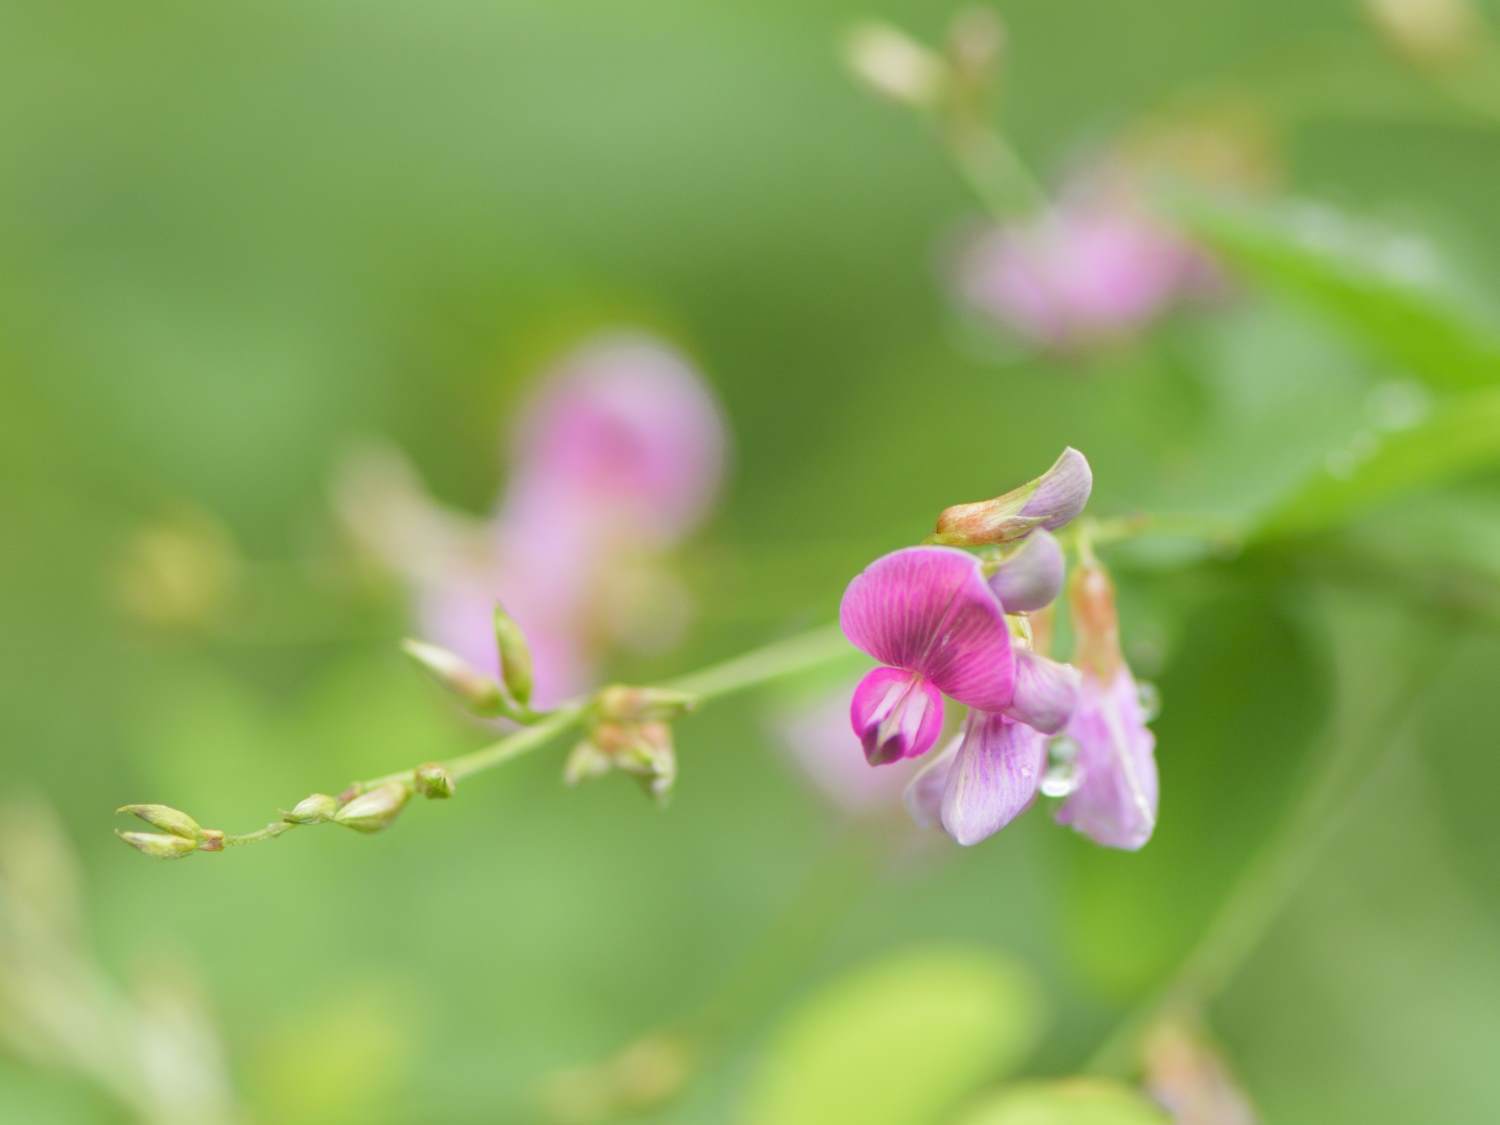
(944, 622)
(615, 460)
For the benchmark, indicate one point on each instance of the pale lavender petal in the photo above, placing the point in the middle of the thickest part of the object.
(896, 715)
(1062, 491)
(1046, 692)
(625, 432)
(924, 793)
(1031, 578)
(994, 778)
(815, 735)
(928, 610)
(1115, 802)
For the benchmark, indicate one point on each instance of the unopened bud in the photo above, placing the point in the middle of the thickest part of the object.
(434, 782)
(1049, 501)
(168, 819)
(1096, 623)
(312, 810)
(515, 656)
(619, 703)
(157, 846)
(649, 755)
(894, 65)
(375, 810)
(479, 693)
(586, 762)
(976, 38)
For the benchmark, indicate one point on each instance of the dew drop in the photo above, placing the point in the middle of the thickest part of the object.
(1149, 698)
(1061, 777)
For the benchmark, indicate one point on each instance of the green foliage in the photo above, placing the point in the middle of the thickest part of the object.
(1077, 1101)
(898, 1042)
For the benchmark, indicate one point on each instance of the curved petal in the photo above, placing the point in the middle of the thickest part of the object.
(1046, 692)
(896, 715)
(994, 778)
(929, 611)
(1116, 799)
(924, 792)
(1032, 577)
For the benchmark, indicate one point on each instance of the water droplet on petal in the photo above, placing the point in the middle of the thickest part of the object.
(1061, 777)
(1149, 699)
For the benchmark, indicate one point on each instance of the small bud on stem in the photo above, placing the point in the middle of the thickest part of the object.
(1049, 501)
(375, 810)
(315, 809)
(157, 846)
(515, 656)
(479, 693)
(168, 819)
(433, 781)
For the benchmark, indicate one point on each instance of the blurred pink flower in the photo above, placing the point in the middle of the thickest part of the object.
(617, 457)
(816, 737)
(1095, 265)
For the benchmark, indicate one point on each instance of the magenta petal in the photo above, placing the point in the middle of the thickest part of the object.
(994, 777)
(1032, 577)
(896, 715)
(1046, 692)
(1116, 798)
(929, 611)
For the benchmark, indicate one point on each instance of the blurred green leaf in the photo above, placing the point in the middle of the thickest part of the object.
(1075, 1101)
(1458, 437)
(1243, 700)
(1379, 287)
(899, 1042)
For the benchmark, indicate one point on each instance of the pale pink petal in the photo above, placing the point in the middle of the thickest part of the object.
(896, 715)
(816, 737)
(994, 777)
(924, 793)
(1115, 801)
(1031, 578)
(928, 610)
(1046, 692)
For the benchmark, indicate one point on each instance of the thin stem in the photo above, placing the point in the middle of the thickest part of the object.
(1274, 875)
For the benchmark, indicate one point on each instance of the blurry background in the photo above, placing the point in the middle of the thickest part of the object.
(237, 238)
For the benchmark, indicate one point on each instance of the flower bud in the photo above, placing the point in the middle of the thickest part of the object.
(166, 818)
(434, 782)
(312, 810)
(478, 692)
(619, 703)
(158, 847)
(1096, 624)
(651, 757)
(1049, 501)
(1046, 692)
(586, 762)
(894, 65)
(515, 656)
(1032, 577)
(375, 810)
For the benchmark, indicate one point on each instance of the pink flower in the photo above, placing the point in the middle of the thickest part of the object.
(1091, 267)
(1114, 802)
(617, 458)
(928, 616)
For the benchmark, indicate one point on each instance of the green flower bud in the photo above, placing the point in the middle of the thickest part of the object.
(478, 692)
(375, 810)
(166, 818)
(515, 656)
(312, 810)
(619, 703)
(434, 782)
(158, 847)
(586, 762)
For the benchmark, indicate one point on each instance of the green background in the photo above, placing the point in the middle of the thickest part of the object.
(237, 237)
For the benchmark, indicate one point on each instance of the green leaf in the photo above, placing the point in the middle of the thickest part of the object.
(1368, 282)
(1074, 1101)
(899, 1042)
(1461, 435)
